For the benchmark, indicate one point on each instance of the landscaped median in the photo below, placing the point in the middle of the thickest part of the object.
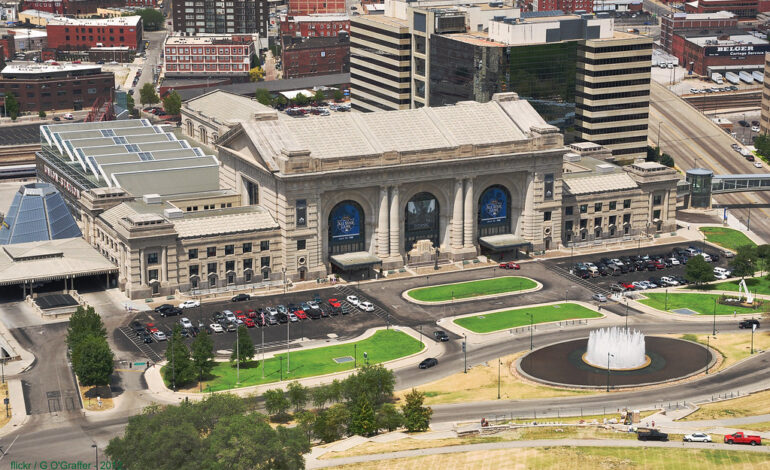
(470, 290)
(382, 346)
(513, 318)
(757, 285)
(702, 304)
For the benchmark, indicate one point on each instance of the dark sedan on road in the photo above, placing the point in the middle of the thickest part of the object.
(241, 298)
(428, 363)
(441, 335)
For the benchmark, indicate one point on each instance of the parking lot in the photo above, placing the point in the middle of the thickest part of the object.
(333, 325)
(605, 282)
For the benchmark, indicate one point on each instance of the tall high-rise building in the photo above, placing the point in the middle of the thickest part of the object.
(221, 17)
(460, 52)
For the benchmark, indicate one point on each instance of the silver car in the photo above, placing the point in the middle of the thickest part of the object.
(599, 297)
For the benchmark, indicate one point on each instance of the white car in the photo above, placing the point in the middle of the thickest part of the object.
(292, 317)
(720, 276)
(185, 322)
(216, 328)
(366, 306)
(639, 285)
(617, 262)
(599, 297)
(159, 336)
(69, 116)
(758, 164)
(674, 262)
(313, 304)
(697, 437)
(668, 281)
(353, 300)
(190, 304)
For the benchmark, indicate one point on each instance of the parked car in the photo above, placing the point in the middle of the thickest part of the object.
(748, 323)
(161, 308)
(428, 363)
(241, 297)
(697, 437)
(190, 304)
(648, 434)
(171, 312)
(185, 322)
(366, 306)
(159, 335)
(352, 299)
(509, 265)
(599, 297)
(216, 328)
(68, 116)
(249, 323)
(440, 335)
(741, 438)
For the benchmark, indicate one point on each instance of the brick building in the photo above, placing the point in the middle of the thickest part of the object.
(710, 51)
(309, 7)
(140, 3)
(8, 44)
(209, 55)
(306, 57)
(743, 9)
(322, 25)
(82, 34)
(56, 87)
(567, 6)
(71, 7)
(682, 22)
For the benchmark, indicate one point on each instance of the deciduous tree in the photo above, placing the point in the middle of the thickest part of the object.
(180, 369)
(203, 354)
(93, 361)
(698, 270)
(416, 416)
(363, 421)
(147, 94)
(172, 103)
(389, 418)
(84, 322)
(11, 106)
(276, 402)
(298, 395)
(243, 349)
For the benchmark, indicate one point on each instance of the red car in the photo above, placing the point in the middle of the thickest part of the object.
(659, 265)
(510, 265)
(626, 285)
(240, 316)
(335, 303)
(300, 314)
(249, 323)
(252, 313)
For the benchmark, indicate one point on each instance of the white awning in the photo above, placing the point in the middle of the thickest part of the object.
(503, 242)
(354, 260)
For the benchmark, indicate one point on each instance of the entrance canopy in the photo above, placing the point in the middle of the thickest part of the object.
(355, 260)
(503, 242)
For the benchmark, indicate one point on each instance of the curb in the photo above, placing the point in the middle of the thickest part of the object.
(19, 414)
(409, 299)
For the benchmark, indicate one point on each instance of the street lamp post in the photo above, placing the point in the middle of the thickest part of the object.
(531, 324)
(608, 370)
(96, 450)
(263, 347)
(714, 316)
(626, 314)
(237, 356)
(708, 363)
(499, 364)
(666, 307)
(288, 349)
(465, 353)
(284, 278)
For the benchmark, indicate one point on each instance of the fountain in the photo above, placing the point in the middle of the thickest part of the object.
(616, 347)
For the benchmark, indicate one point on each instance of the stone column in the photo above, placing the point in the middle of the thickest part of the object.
(141, 268)
(164, 265)
(457, 216)
(395, 223)
(383, 228)
(468, 216)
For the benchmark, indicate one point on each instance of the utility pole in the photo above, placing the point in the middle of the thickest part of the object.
(608, 370)
(708, 363)
(263, 347)
(499, 364)
(714, 315)
(288, 350)
(465, 353)
(531, 325)
(237, 356)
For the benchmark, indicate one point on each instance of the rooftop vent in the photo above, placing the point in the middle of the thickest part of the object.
(605, 168)
(151, 199)
(571, 157)
(173, 213)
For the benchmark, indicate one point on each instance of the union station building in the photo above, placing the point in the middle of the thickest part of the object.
(354, 194)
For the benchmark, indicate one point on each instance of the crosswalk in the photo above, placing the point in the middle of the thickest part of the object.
(345, 291)
(595, 288)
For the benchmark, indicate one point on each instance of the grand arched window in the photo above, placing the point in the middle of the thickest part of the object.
(421, 221)
(494, 216)
(346, 228)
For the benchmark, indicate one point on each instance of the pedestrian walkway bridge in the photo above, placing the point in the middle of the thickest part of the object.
(702, 184)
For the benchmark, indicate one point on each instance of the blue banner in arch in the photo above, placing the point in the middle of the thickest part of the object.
(346, 221)
(493, 206)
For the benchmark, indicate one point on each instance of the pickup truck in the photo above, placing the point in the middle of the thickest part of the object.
(740, 438)
(648, 434)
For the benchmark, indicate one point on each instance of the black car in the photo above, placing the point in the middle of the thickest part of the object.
(162, 308)
(314, 313)
(56, 118)
(748, 323)
(441, 335)
(147, 338)
(428, 363)
(218, 316)
(282, 318)
(138, 328)
(172, 312)
(646, 434)
(184, 333)
(241, 298)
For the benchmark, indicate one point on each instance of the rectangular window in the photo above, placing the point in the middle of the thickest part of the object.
(229, 249)
(583, 223)
(211, 251)
(548, 190)
(656, 214)
(613, 218)
(265, 261)
(569, 210)
(194, 270)
(583, 208)
(626, 219)
(264, 245)
(301, 216)
(613, 205)
(152, 258)
(248, 263)
(212, 268)
(192, 253)
(598, 207)
(597, 221)
(229, 266)
(152, 275)
(626, 203)
(546, 216)
(301, 244)
(568, 226)
(247, 247)
(657, 199)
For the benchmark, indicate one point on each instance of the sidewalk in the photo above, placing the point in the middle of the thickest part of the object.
(18, 408)
(158, 390)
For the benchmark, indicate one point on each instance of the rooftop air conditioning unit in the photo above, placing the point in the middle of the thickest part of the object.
(173, 213)
(151, 199)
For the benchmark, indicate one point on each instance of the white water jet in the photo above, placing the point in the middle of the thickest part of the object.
(625, 348)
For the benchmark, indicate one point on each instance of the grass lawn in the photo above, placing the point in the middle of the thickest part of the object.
(757, 285)
(726, 237)
(750, 405)
(644, 458)
(734, 346)
(4, 393)
(384, 345)
(764, 426)
(480, 383)
(518, 317)
(701, 303)
(587, 419)
(464, 290)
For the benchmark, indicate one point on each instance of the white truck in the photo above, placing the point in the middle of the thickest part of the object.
(716, 78)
